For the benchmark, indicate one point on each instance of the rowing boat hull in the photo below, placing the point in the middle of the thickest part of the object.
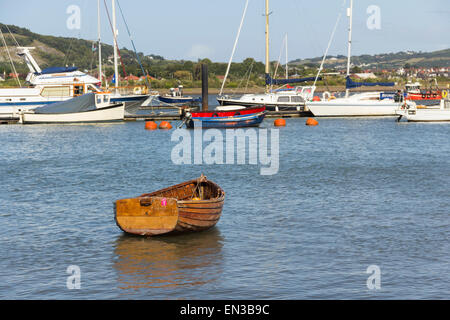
(171, 210)
(198, 215)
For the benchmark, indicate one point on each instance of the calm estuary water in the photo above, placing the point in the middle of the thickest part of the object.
(350, 193)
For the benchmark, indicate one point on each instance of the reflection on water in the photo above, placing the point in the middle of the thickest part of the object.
(168, 261)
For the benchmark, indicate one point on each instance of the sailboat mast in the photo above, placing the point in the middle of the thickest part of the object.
(100, 75)
(116, 69)
(234, 48)
(287, 70)
(350, 15)
(267, 42)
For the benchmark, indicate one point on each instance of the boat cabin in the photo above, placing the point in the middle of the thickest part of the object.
(412, 87)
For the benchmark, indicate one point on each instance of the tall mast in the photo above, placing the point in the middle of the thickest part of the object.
(100, 76)
(116, 69)
(287, 70)
(267, 42)
(234, 48)
(350, 16)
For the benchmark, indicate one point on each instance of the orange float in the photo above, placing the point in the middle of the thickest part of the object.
(316, 98)
(279, 123)
(151, 125)
(165, 125)
(311, 122)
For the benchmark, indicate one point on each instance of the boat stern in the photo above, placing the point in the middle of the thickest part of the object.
(146, 216)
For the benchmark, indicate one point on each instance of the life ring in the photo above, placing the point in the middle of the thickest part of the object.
(444, 94)
(137, 90)
(326, 95)
(423, 95)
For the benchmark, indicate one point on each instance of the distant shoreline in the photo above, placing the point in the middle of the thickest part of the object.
(187, 91)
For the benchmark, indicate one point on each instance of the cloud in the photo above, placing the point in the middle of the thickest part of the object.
(200, 51)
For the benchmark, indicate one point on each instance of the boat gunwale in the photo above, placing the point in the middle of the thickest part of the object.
(221, 197)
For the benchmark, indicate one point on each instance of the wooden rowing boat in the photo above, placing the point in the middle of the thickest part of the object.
(193, 205)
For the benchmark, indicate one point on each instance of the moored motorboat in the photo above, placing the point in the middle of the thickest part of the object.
(248, 117)
(414, 113)
(176, 97)
(91, 107)
(416, 94)
(193, 205)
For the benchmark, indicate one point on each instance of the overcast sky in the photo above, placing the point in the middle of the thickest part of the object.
(180, 29)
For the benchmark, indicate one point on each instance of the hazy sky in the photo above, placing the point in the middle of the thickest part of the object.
(180, 29)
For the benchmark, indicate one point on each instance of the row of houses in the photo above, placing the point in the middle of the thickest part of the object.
(421, 73)
(424, 72)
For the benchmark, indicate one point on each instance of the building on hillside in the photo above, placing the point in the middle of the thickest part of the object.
(368, 75)
(142, 78)
(131, 77)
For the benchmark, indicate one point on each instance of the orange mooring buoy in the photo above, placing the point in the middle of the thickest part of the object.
(279, 123)
(165, 125)
(316, 98)
(311, 122)
(151, 125)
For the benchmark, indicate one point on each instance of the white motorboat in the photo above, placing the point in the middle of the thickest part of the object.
(414, 113)
(91, 107)
(46, 86)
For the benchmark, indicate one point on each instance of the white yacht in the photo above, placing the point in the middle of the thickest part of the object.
(357, 105)
(274, 100)
(279, 100)
(44, 87)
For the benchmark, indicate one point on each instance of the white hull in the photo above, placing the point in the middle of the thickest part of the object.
(14, 101)
(356, 106)
(279, 100)
(427, 114)
(114, 113)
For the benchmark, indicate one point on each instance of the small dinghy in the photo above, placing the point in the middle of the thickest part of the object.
(194, 205)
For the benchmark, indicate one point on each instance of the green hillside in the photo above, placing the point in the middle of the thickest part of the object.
(436, 59)
(60, 51)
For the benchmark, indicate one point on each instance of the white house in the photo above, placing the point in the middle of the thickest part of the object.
(368, 75)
